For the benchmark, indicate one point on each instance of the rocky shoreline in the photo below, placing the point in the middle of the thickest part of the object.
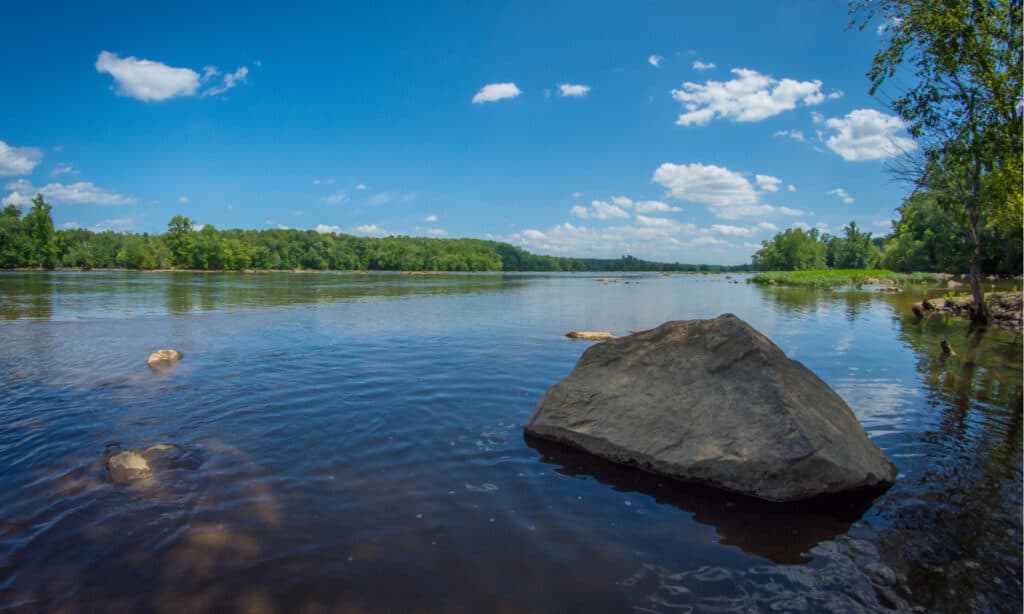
(1005, 308)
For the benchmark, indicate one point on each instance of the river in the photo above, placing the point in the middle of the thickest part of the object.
(359, 447)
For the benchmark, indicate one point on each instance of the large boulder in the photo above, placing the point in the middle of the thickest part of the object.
(716, 402)
(161, 359)
(127, 466)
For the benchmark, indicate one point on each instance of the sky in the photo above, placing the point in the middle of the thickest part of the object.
(671, 131)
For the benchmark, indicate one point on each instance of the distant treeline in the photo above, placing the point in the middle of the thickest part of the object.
(30, 241)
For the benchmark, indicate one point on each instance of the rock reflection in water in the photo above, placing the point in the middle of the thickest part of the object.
(780, 532)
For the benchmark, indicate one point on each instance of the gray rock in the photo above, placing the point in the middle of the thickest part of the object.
(712, 401)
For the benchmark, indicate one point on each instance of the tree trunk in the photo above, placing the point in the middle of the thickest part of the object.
(979, 311)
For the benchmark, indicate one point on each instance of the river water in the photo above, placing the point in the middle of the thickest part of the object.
(358, 445)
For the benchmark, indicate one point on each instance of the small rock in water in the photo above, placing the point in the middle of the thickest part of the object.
(163, 358)
(127, 466)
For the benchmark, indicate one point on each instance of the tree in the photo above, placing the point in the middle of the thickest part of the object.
(38, 227)
(791, 250)
(11, 241)
(180, 241)
(964, 109)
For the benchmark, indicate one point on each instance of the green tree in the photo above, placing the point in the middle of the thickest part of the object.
(964, 106)
(11, 241)
(38, 228)
(180, 241)
(791, 250)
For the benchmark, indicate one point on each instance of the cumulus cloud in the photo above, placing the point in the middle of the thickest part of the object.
(79, 193)
(728, 194)
(430, 219)
(655, 206)
(333, 199)
(573, 90)
(698, 65)
(18, 160)
(749, 97)
(152, 81)
(866, 134)
(327, 230)
(791, 188)
(18, 199)
(796, 135)
(599, 210)
(842, 195)
(655, 60)
(493, 92)
(362, 186)
(768, 183)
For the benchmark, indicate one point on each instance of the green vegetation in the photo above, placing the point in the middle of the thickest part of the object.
(963, 108)
(30, 241)
(838, 277)
(798, 250)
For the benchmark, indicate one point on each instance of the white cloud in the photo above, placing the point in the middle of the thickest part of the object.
(79, 193)
(698, 65)
(573, 90)
(430, 219)
(152, 81)
(120, 224)
(333, 199)
(768, 183)
(599, 210)
(325, 229)
(493, 92)
(533, 234)
(796, 135)
(802, 225)
(836, 95)
(370, 229)
(655, 206)
(655, 60)
(577, 194)
(866, 134)
(70, 225)
(767, 226)
(147, 80)
(63, 170)
(381, 199)
(842, 195)
(791, 188)
(18, 160)
(622, 201)
(705, 184)
(183, 199)
(230, 81)
(433, 232)
(749, 97)
(738, 231)
(17, 199)
(362, 186)
(728, 194)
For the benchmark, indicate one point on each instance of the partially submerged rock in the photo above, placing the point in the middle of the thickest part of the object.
(716, 402)
(591, 335)
(127, 466)
(163, 358)
(1005, 309)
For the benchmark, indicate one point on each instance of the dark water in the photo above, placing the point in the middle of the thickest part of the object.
(361, 449)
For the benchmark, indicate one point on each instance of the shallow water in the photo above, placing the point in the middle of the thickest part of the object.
(361, 448)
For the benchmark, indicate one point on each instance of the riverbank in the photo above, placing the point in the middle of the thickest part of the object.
(1005, 309)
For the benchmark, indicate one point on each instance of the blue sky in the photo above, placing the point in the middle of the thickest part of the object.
(675, 131)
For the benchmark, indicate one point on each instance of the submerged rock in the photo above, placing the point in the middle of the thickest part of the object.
(716, 402)
(127, 466)
(590, 335)
(163, 358)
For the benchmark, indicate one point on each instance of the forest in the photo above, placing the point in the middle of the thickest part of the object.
(29, 240)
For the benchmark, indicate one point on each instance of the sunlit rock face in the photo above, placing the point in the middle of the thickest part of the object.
(713, 401)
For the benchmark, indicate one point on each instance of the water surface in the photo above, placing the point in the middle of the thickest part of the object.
(361, 446)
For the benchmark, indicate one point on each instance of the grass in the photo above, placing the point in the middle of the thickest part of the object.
(830, 278)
